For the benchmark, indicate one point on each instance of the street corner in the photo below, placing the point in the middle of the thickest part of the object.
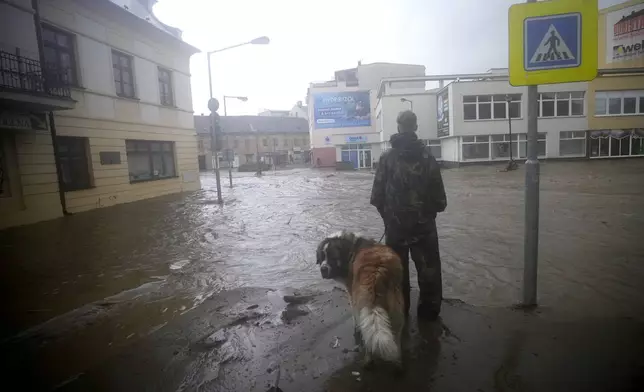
(240, 338)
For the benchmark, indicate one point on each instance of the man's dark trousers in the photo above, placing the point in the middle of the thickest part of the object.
(426, 256)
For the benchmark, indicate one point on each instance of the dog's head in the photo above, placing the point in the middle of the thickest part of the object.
(334, 255)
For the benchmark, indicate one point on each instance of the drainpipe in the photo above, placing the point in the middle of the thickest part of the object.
(52, 124)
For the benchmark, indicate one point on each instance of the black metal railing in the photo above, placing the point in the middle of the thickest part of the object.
(24, 74)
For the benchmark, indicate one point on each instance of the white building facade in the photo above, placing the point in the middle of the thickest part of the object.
(470, 120)
(342, 114)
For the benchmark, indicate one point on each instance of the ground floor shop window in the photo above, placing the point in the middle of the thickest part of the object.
(74, 163)
(476, 147)
(572, 144)
(491, 147)
(358, 154)
(150, 160)
(435, 147)
(617, 143)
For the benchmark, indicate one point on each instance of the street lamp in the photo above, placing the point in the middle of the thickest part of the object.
(512, 165)
(257, 41)
(263, 40)
(243, 99)
(411, 103)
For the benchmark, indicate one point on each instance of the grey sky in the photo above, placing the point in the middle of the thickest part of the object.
(312, 39)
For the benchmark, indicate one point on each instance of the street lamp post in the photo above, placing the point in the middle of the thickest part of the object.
(257, 41)
(243, 99)
(512, 165)
(411, 103)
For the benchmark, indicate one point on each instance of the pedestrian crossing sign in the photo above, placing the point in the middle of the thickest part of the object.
(553, 42)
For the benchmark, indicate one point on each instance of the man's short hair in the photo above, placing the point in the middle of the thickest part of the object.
(407, 121)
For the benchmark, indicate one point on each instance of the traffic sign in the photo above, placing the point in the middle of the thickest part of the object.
(553, 42)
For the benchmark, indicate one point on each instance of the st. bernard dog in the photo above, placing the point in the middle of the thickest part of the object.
(373, 276)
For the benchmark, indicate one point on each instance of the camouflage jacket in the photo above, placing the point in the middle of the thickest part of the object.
(408, 188)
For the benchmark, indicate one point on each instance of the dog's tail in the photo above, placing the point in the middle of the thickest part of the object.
(377, 334)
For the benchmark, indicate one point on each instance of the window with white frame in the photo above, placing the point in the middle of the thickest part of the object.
(561, 104)
(491, 147)
(502, 146)
(434, 147)
(619, 103)
(491, 107)
(572, 144)
(476, 147)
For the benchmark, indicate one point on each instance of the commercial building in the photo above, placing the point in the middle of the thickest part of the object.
(95, 108)
(342, 120)
(273, 140)
(617, 121)
(469, 119)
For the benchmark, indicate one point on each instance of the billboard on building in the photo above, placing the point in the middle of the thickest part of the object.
(442, 113)
(625, 34)
(342, 109)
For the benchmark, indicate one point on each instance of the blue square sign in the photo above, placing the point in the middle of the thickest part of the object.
(552, 42)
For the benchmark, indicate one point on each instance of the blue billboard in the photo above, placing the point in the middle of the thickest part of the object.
(342, 109)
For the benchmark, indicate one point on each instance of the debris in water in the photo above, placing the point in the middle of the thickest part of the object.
(355, 374)
(252, 307)
(336, 343)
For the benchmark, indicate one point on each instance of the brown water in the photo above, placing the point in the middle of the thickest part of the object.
(139, 264)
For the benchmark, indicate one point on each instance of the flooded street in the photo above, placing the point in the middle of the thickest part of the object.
(89, 285)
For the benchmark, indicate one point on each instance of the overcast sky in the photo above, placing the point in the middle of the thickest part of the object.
(310, 39)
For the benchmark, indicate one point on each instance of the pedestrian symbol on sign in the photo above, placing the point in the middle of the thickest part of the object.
(552, 42)
(552, 48)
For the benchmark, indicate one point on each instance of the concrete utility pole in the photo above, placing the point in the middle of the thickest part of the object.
(531, 241)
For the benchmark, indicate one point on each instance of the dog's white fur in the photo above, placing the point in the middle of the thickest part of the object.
(378, 336)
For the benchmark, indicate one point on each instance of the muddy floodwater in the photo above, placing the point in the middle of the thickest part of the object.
(109, 275)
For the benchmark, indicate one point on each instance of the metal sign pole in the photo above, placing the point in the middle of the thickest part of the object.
(531, 241)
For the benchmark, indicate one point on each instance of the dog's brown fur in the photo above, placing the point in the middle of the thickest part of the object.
(374, 282)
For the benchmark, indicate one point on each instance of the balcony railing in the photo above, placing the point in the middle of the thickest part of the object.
(27, 75)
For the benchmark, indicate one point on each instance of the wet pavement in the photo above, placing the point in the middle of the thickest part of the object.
(179, 293)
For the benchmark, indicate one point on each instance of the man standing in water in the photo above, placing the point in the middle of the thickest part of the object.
(408, 193)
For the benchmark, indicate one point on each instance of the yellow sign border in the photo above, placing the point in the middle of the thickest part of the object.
(586, 71)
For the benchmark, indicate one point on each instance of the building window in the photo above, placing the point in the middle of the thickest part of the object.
(72, 153)
(200, 144)
(275, 142)
(165, 87)
(236, 143)
(498, 146)
(296, 142)
(488, 107)
(265, 142)
(123, 74)
(150, 160)
(617, 143)
(562, 104)
(5, 188)
(476, 147)
(572, 143)
(434, 147)
(247, 144)
(502, 146)
(619, 103)
(285, 142)
(59, 52)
